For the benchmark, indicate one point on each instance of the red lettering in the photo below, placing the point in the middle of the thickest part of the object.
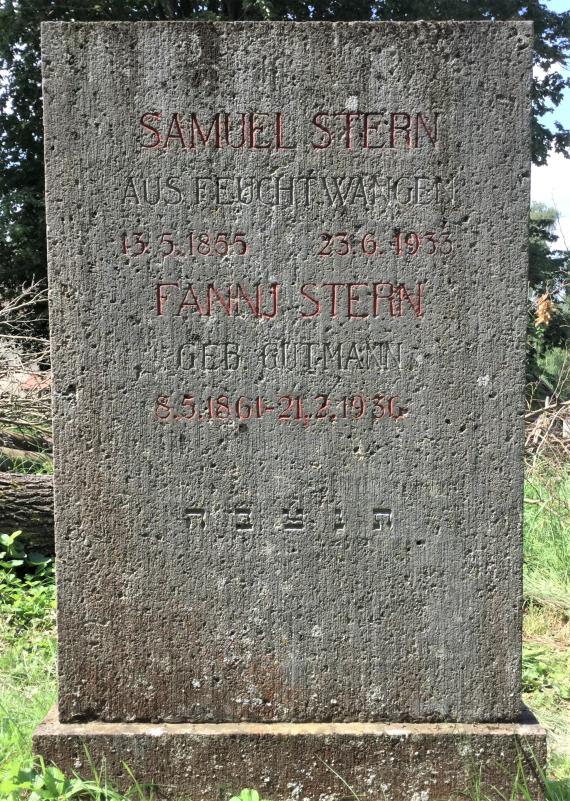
(228, 131)
(381, 292)
(352, 315)
(312, 299)
(195, 128)
(241, 291)
(215, 295)
(161, 297)
(404, 127)
(334, 297)
(190, 301)
(254, 130)
(431, 132)
(368, 127)
(279, 133)
(324, 129)
(416, 304)
(287, 408)
(174, 124)
(274, 289)
(349, 116)
(155, 132)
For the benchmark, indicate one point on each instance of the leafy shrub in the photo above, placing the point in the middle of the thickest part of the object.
(27, 588)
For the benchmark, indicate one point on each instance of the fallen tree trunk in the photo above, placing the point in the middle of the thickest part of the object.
(26, 504)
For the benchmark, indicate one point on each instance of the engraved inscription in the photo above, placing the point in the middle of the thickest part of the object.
(373, 191)
(265, 130)
(345, 300)
(338, 519)
(196, 517)
(289, 408)
(242, 517)
(381, 519)
(293, 519)
(309, 356)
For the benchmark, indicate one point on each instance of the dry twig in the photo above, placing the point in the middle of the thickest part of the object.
(25, 377)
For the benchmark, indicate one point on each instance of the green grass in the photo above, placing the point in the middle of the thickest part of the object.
(547, 538)
(27, 691)
(27, 645)
(546, 653)
(29, 449)
(27, 655)
(36, 467)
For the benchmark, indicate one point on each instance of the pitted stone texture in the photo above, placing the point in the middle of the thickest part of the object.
(287, 762)
(328, 569)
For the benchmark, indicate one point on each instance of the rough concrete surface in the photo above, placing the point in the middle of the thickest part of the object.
(286, 761)
(288, 287)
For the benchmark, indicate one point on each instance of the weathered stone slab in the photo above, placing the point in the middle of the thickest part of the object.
(288, 761)
(288, 287)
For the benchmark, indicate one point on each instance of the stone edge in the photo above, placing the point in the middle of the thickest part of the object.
(50, 727)
(210, 761)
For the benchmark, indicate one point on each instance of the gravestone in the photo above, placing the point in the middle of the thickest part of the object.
(288, 311)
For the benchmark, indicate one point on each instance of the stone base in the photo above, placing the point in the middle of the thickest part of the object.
(299, 761)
